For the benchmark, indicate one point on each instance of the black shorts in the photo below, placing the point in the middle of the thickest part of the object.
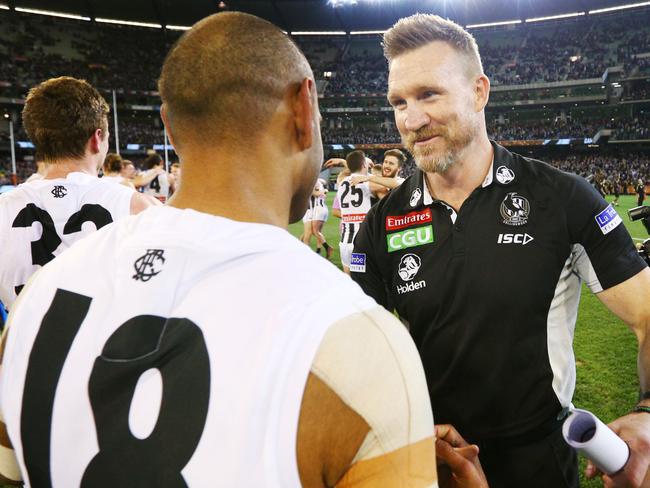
(546, 463)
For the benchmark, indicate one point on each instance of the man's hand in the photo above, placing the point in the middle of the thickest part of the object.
(634, 429)
(457, 461)
(355, 180)
(330, 163)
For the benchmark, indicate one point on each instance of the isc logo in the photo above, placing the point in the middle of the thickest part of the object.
(522, 239)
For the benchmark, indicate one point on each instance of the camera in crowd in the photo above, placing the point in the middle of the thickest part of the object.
(642, 213)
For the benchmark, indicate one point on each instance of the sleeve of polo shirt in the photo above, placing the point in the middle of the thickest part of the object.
(367, 242)
(595, 225)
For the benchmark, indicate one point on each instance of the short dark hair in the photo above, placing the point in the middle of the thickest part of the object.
(355, 160)
(60, 115)
(152, 161)
(401, 157)
(227, 75)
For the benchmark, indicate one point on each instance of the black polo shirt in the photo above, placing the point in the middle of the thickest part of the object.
(491, 293)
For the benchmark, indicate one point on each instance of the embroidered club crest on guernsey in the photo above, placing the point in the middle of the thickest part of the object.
(149, 265)
(515, 209)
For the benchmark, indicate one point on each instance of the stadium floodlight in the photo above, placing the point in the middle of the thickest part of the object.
(555, 17)
(494, 24)
(318, 33)
(51, 13)
(369, 32)
(178, 27)
(340, 3)
(619, 7)
(128, 22)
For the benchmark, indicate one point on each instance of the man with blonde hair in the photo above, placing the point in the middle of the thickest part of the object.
(310, 384)
(482, 252)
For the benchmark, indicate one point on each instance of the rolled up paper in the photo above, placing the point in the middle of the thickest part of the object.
(583, 431)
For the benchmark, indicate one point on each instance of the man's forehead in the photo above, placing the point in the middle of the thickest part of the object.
(435, 61)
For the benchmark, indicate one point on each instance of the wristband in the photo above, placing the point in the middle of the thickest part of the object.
(641, 408)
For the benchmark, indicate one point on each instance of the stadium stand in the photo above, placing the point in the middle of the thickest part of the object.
(578, 79)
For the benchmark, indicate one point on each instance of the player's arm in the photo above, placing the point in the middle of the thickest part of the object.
(376, 182)
(612, 268)
(630, 301)
(140, 202)
(332, 162)
(365, 419)
(336, 206)
(9, 470)
(147, 177)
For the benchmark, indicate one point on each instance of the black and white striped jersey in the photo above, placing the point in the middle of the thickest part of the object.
(491, 292)
(355, 202)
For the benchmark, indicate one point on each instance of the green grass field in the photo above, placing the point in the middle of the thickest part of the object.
(605, 348)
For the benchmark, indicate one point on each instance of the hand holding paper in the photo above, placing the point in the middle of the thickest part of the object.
(620, 451)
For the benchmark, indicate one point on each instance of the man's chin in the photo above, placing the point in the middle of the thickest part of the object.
(432, 164)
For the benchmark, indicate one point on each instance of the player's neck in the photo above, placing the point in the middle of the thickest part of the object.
(61, 169)
(469, 171)
(239, 197)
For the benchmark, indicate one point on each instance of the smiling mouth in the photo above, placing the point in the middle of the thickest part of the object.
(424, 142)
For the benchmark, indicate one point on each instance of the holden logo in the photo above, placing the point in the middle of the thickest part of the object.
(515, 209)
(505, 175)
(409, 266)
(415, 197)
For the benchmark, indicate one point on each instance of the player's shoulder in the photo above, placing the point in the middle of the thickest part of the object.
(533, 171)
(21, 195)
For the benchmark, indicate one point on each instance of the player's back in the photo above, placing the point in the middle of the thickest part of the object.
(42, 218)
(158, 187)
(355, 201)
(190, 335)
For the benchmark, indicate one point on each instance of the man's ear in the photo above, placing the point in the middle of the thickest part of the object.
(96, 140)
(165, 119)
(482, 91)
(304, 107)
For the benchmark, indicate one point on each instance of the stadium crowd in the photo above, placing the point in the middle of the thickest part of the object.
(34, 48)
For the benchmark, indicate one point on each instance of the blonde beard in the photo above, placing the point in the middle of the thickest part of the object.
(430, 163)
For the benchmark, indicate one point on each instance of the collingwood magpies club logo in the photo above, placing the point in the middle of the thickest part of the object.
(149, 265)
(59, 191)
(515, 209)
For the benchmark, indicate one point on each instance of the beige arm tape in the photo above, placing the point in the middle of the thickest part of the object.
(371, 363)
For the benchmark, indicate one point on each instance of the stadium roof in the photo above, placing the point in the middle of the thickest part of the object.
(319, 15)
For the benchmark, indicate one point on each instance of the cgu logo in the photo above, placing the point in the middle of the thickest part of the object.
(410, 238)
(522, 239)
